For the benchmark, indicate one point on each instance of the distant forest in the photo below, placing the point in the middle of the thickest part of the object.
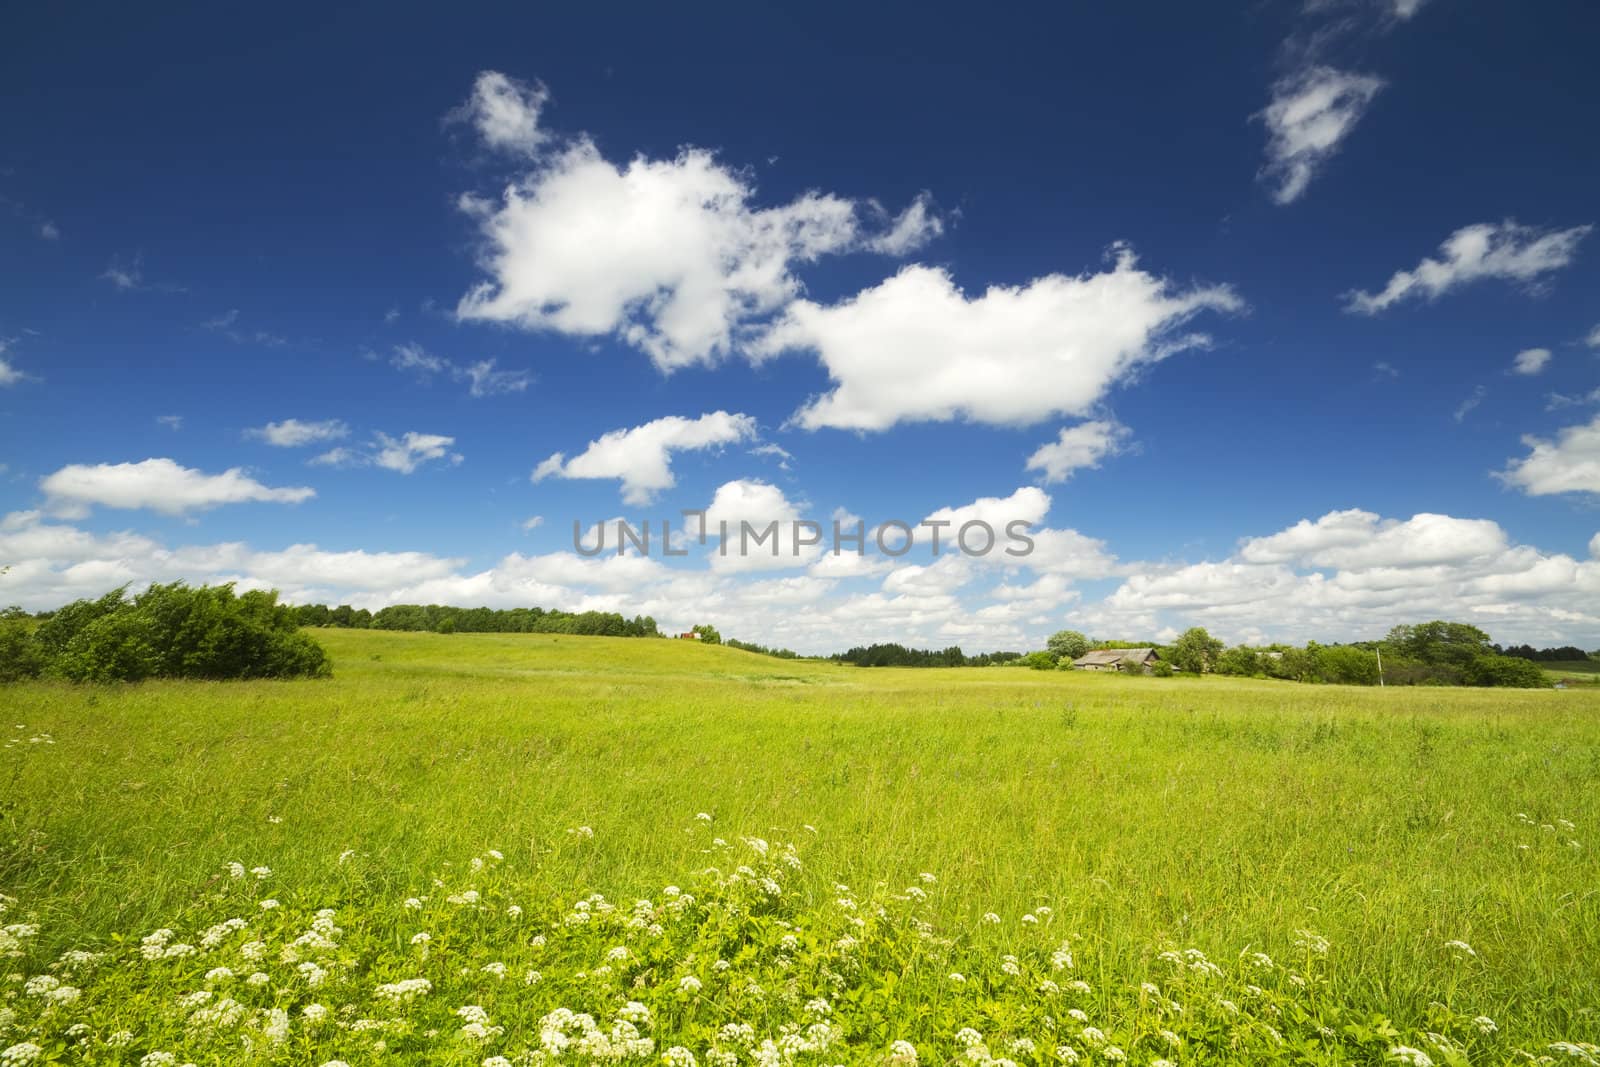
(445, 619)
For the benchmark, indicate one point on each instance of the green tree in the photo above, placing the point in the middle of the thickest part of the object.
(21, 655)
(708, 634)
(1067, 644)
(1039, 661)
(1439, 642)
(1195, 650)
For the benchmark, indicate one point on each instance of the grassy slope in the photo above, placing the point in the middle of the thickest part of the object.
(1152, 812)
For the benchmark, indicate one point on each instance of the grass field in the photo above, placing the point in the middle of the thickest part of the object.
(1351, 835)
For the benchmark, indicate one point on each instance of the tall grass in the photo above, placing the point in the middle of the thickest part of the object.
(1149, 814)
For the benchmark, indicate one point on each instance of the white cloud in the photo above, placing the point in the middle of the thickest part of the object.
(641, 457)
(171, 422)
(916, 348)
(293, 433)
(668, 255)
(1361, 540)
(1404, 9)
(481, 377)
(413, 357)
(532, 523)
(1078, 447)
(1569, 464)
(1593, 340)
(1530, 361)
(1506, 251)
(158, 484)
(760, 505)
(9, 375)
(1311, 112)
(1470, 404)
(403, 454)
(484, 380)
(125, 275)
(916, 226)
(409, 451)
(505, 112)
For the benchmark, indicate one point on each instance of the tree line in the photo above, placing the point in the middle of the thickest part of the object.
(446, 619)
(1430, 653)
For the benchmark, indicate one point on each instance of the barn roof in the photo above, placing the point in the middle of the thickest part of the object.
(1105, 657)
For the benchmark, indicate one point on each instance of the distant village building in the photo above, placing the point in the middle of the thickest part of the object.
(1117, 659)
(692, 635)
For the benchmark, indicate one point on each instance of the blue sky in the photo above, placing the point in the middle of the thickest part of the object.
(1283, 321)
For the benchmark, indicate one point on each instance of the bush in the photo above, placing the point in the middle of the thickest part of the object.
(1509, 671)
(20, 653)
(175, 631)
(1161, 669)
(1039, 661)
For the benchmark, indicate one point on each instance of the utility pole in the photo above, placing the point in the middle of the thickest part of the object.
(1379, 651)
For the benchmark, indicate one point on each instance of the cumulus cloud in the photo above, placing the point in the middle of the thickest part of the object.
(403, 454)
(1568, 464)
(1352, 574)
(1507, 251)
(505, 112)
(1077, 448)
(157, 484)
(294, 433)
(1530, 361)
(1593, 340)
(772, 542)
(669, 255)
(1311, 113)
(9, 375)
(641, 457)
(916, 348)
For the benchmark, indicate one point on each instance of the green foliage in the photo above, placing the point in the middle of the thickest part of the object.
(708, 634)
(1510, 671)
(1438, 642)
(1243, 662)
(1195, 651)
(1067, 644)
(1344, 665)
(21, 655)
(1039, 661)
(896, 655)
(178, 631)
(1161, 669)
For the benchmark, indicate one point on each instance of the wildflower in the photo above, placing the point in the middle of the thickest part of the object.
(957, 977)
(1485, 1025)
(903, 1054)
(346, 856)
(276, 1026)
(236, 870)
(421, 937)
(581, 831)
(404, 991)
(967, 1037)
(412, 904)
(514, 911)
(1313, 943)
(689, 984)
(678, 1056)
(991, 918)
(1113, 1054)
(495, 969)
(1066, 1054)
(496, 1061)
(259, 978)
(269, 904)
(1412, 1057)
(1460, 948)
(702, 817)
(20, 1054)
(261, 873)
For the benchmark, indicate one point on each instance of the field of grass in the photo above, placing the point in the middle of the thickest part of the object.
(1417, 858)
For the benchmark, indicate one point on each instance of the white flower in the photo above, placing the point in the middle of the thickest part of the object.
(20, 1054)
(1461, 948)
(1412, 1057)
(957, 977)
(261, 873)
(268, 904)
(967, 1037)
(689, 984)
(1485, 1025)
(991, 918)
(903, 1054)
(678, 1056)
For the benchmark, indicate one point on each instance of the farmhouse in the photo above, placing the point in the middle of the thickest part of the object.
(1117, 659)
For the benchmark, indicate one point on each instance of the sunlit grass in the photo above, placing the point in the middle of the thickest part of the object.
(1147, 814)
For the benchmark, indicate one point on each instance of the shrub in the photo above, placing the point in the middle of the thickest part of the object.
(1039, 661)
(176, 631)
(20, 653)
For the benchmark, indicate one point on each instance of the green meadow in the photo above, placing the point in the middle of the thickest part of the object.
(1409, 861)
